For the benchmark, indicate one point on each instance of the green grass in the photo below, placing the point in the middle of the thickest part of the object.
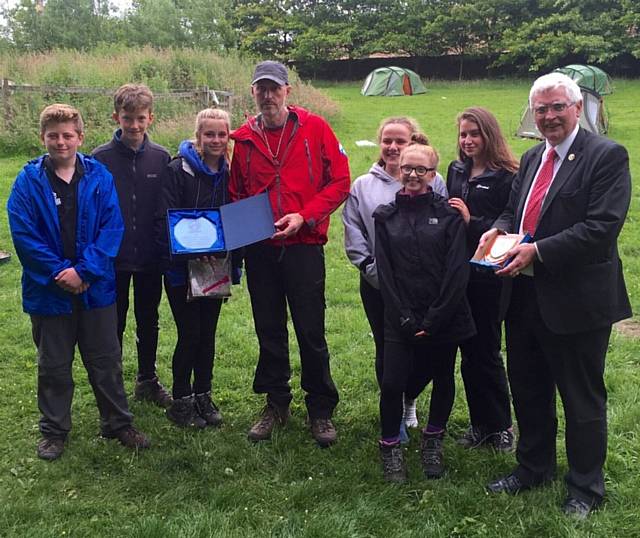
(215, 483)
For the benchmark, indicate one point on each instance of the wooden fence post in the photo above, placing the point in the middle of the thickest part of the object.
(6, 103)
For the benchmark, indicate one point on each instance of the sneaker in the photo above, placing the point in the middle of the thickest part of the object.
(409, 416)
(270, 416)
(323, 431)
(207, 409)
(50, 448)
(151, 390)
(129, 437)
(503, 441)
(472, 438)
(394, 468)
(183, 413)
(432, 454)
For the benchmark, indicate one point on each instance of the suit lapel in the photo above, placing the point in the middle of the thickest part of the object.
(569, 165)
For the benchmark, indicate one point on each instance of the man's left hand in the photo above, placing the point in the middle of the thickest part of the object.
(522, 256)
(288, 225)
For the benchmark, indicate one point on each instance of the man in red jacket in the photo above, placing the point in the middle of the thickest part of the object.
(295, 157)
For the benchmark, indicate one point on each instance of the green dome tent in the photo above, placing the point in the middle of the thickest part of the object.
(594, 83)
(588, 76)
(392, 81)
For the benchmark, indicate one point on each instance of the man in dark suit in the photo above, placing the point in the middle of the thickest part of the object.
(564, 291)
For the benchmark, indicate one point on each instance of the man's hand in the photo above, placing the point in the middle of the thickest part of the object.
(487, 237)
(523, 255)
(288, 225)
(70, 281)
(461, 207)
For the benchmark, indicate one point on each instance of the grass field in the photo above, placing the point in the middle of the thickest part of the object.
(215, 483)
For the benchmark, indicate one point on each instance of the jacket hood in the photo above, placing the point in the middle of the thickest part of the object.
(244, 132)
(188, 152)
(380, 173)
(35, 167)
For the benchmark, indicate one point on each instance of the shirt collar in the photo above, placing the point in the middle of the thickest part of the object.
(563, 147)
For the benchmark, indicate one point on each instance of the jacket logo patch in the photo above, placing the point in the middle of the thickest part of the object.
(485, 187)
(433, 220)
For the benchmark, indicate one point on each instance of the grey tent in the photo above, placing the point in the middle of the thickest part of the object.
(392, 81)
(594, 83)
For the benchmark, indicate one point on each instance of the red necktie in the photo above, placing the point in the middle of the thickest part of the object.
(538, 191)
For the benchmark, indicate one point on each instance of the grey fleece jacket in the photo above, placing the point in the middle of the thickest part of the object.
(367, 193)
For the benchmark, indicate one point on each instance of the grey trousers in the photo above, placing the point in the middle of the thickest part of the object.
(95, 332)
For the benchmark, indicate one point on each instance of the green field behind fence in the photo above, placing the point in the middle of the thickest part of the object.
(215, 483)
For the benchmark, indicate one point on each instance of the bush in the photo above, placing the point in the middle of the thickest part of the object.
(109, 67)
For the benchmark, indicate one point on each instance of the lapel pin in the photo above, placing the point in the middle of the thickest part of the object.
(571, 156)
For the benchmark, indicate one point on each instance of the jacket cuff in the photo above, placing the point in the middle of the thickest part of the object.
(365, 263)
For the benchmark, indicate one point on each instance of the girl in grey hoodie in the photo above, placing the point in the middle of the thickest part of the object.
(375, 188)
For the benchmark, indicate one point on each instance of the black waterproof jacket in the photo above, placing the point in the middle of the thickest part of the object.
(182, 187)
(137, 177)
(423, 269)
(486, 196)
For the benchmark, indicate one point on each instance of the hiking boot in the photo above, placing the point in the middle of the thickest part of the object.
(503, 441)
(151, 390)
(323, 431)
(472, 438)
(183, 413)
(129, 437)
(207, 409)
(50, 448)
(432, 454)
(409, 416)
(270, 416)
(394, 468)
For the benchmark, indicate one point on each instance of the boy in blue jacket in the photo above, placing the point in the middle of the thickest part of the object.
(66, 228)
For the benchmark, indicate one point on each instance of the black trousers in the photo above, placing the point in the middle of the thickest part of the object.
(482, 369)
(374, 310)
(540, 361)
(294, 275)
(415, 364)
(196, 324)
(95, 333)
(147, 292)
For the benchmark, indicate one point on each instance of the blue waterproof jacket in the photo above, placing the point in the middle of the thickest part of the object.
(35, 229)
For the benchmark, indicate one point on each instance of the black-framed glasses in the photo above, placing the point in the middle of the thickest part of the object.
(419, 170)
(558, 108)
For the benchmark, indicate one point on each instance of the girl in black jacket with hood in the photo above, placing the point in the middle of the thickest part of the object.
(479, 183)
(423, 271)
(196, 178)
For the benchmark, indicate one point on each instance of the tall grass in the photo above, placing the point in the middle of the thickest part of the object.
(216, 483)
(161, 70)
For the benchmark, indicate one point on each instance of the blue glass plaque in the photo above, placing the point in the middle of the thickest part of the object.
(198, 232)
(195, 232)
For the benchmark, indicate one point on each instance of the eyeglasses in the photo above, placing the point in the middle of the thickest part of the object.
(556, 107)
(419, 170)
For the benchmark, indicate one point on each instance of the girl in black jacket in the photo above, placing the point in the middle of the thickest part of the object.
(196, 178)
(479, 183)
(423, 270)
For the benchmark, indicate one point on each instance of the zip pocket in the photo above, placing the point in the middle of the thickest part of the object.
(309, 163)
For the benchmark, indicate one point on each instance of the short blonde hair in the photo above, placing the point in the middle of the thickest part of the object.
(61, 113)
(132, 97)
